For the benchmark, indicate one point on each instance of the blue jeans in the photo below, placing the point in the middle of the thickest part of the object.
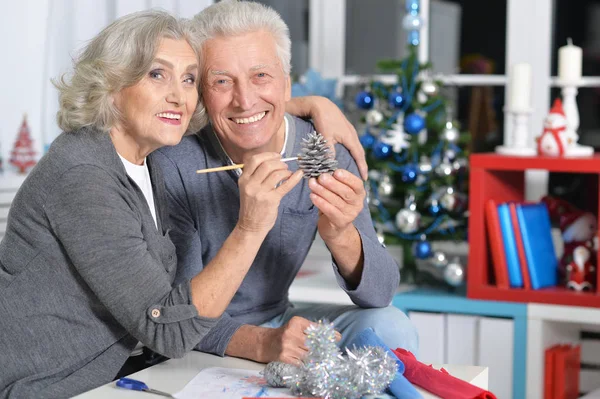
(390, 324)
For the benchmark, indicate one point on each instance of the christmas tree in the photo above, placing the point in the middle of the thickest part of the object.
(417, 189)
(23, 156)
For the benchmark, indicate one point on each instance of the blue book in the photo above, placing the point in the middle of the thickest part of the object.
(515, 278)
(534, 221)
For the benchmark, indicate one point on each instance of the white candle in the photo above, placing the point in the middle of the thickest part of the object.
(519, 87)
(569, 62)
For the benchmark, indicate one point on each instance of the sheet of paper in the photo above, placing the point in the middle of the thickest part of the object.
(223, 383)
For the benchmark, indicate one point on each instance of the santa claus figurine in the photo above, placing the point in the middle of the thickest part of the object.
(581, 273)
(557, 138)
(579, 259)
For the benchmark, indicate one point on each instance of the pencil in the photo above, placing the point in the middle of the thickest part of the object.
(236, 166)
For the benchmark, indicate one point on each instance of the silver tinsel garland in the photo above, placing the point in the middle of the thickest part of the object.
(316, 157)
(326, 373)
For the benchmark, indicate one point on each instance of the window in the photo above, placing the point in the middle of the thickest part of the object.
(580, 21)
(295, 14)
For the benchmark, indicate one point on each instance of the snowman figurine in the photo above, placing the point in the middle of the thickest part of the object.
(557, 138)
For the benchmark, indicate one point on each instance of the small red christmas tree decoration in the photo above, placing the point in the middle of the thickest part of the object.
(23, 155)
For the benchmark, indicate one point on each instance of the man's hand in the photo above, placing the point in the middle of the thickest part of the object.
(331, 122)
(287, 343)
(261, 193)
(339, 198)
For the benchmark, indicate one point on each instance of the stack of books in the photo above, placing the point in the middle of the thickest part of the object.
(521, 245)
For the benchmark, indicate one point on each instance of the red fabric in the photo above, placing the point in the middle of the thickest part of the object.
(438, 382)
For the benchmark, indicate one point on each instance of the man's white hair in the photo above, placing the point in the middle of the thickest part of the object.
(232, 18)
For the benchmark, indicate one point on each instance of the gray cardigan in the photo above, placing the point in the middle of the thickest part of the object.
(204, 210)
(85, 274)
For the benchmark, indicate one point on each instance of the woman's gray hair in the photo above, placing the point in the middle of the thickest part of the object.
(232, 18)
(118, 57)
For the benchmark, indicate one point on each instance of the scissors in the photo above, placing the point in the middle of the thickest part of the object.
(135, 385)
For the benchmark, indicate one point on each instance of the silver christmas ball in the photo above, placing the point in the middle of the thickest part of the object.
(425, 165)
(374, 174)
(374, 117)
(374, 202)
(412, 22)
(448, 201)
(450, 133)
(439, 259)
(444, 168)
(454, 273)
(429, 88)
(453, 201)
(386, 188)
(407, 220)
(421, 179)
(459, 164)
(450, 154)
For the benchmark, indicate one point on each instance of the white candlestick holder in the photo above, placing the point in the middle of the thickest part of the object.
(519, 135)
(569, 96)
(569, 100)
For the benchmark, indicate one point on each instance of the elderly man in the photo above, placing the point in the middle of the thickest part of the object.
(245, 67)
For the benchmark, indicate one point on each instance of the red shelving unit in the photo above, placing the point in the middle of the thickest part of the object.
(502, 178)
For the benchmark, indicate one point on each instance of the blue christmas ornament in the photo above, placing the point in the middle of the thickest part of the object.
(435, 208)
(422, 249)
(367, 140)
(382, 150)
(365, 100)
(396, 99)
(414, 123)
(409, 174)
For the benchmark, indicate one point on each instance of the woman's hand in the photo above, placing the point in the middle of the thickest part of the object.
(331, 122)
(261, 193)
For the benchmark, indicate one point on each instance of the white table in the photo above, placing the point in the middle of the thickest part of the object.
(172, 375)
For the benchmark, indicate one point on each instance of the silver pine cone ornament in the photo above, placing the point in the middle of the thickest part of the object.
(316, 157)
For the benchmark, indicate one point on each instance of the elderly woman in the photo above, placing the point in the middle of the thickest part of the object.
(86, 266)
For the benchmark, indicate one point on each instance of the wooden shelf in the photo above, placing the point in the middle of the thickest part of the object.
(502, 178)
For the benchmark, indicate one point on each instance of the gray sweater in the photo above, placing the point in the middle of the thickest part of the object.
(85, 274)
(205, 208)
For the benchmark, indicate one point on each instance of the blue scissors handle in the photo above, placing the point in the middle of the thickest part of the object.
(135, 385)
(129, 383)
